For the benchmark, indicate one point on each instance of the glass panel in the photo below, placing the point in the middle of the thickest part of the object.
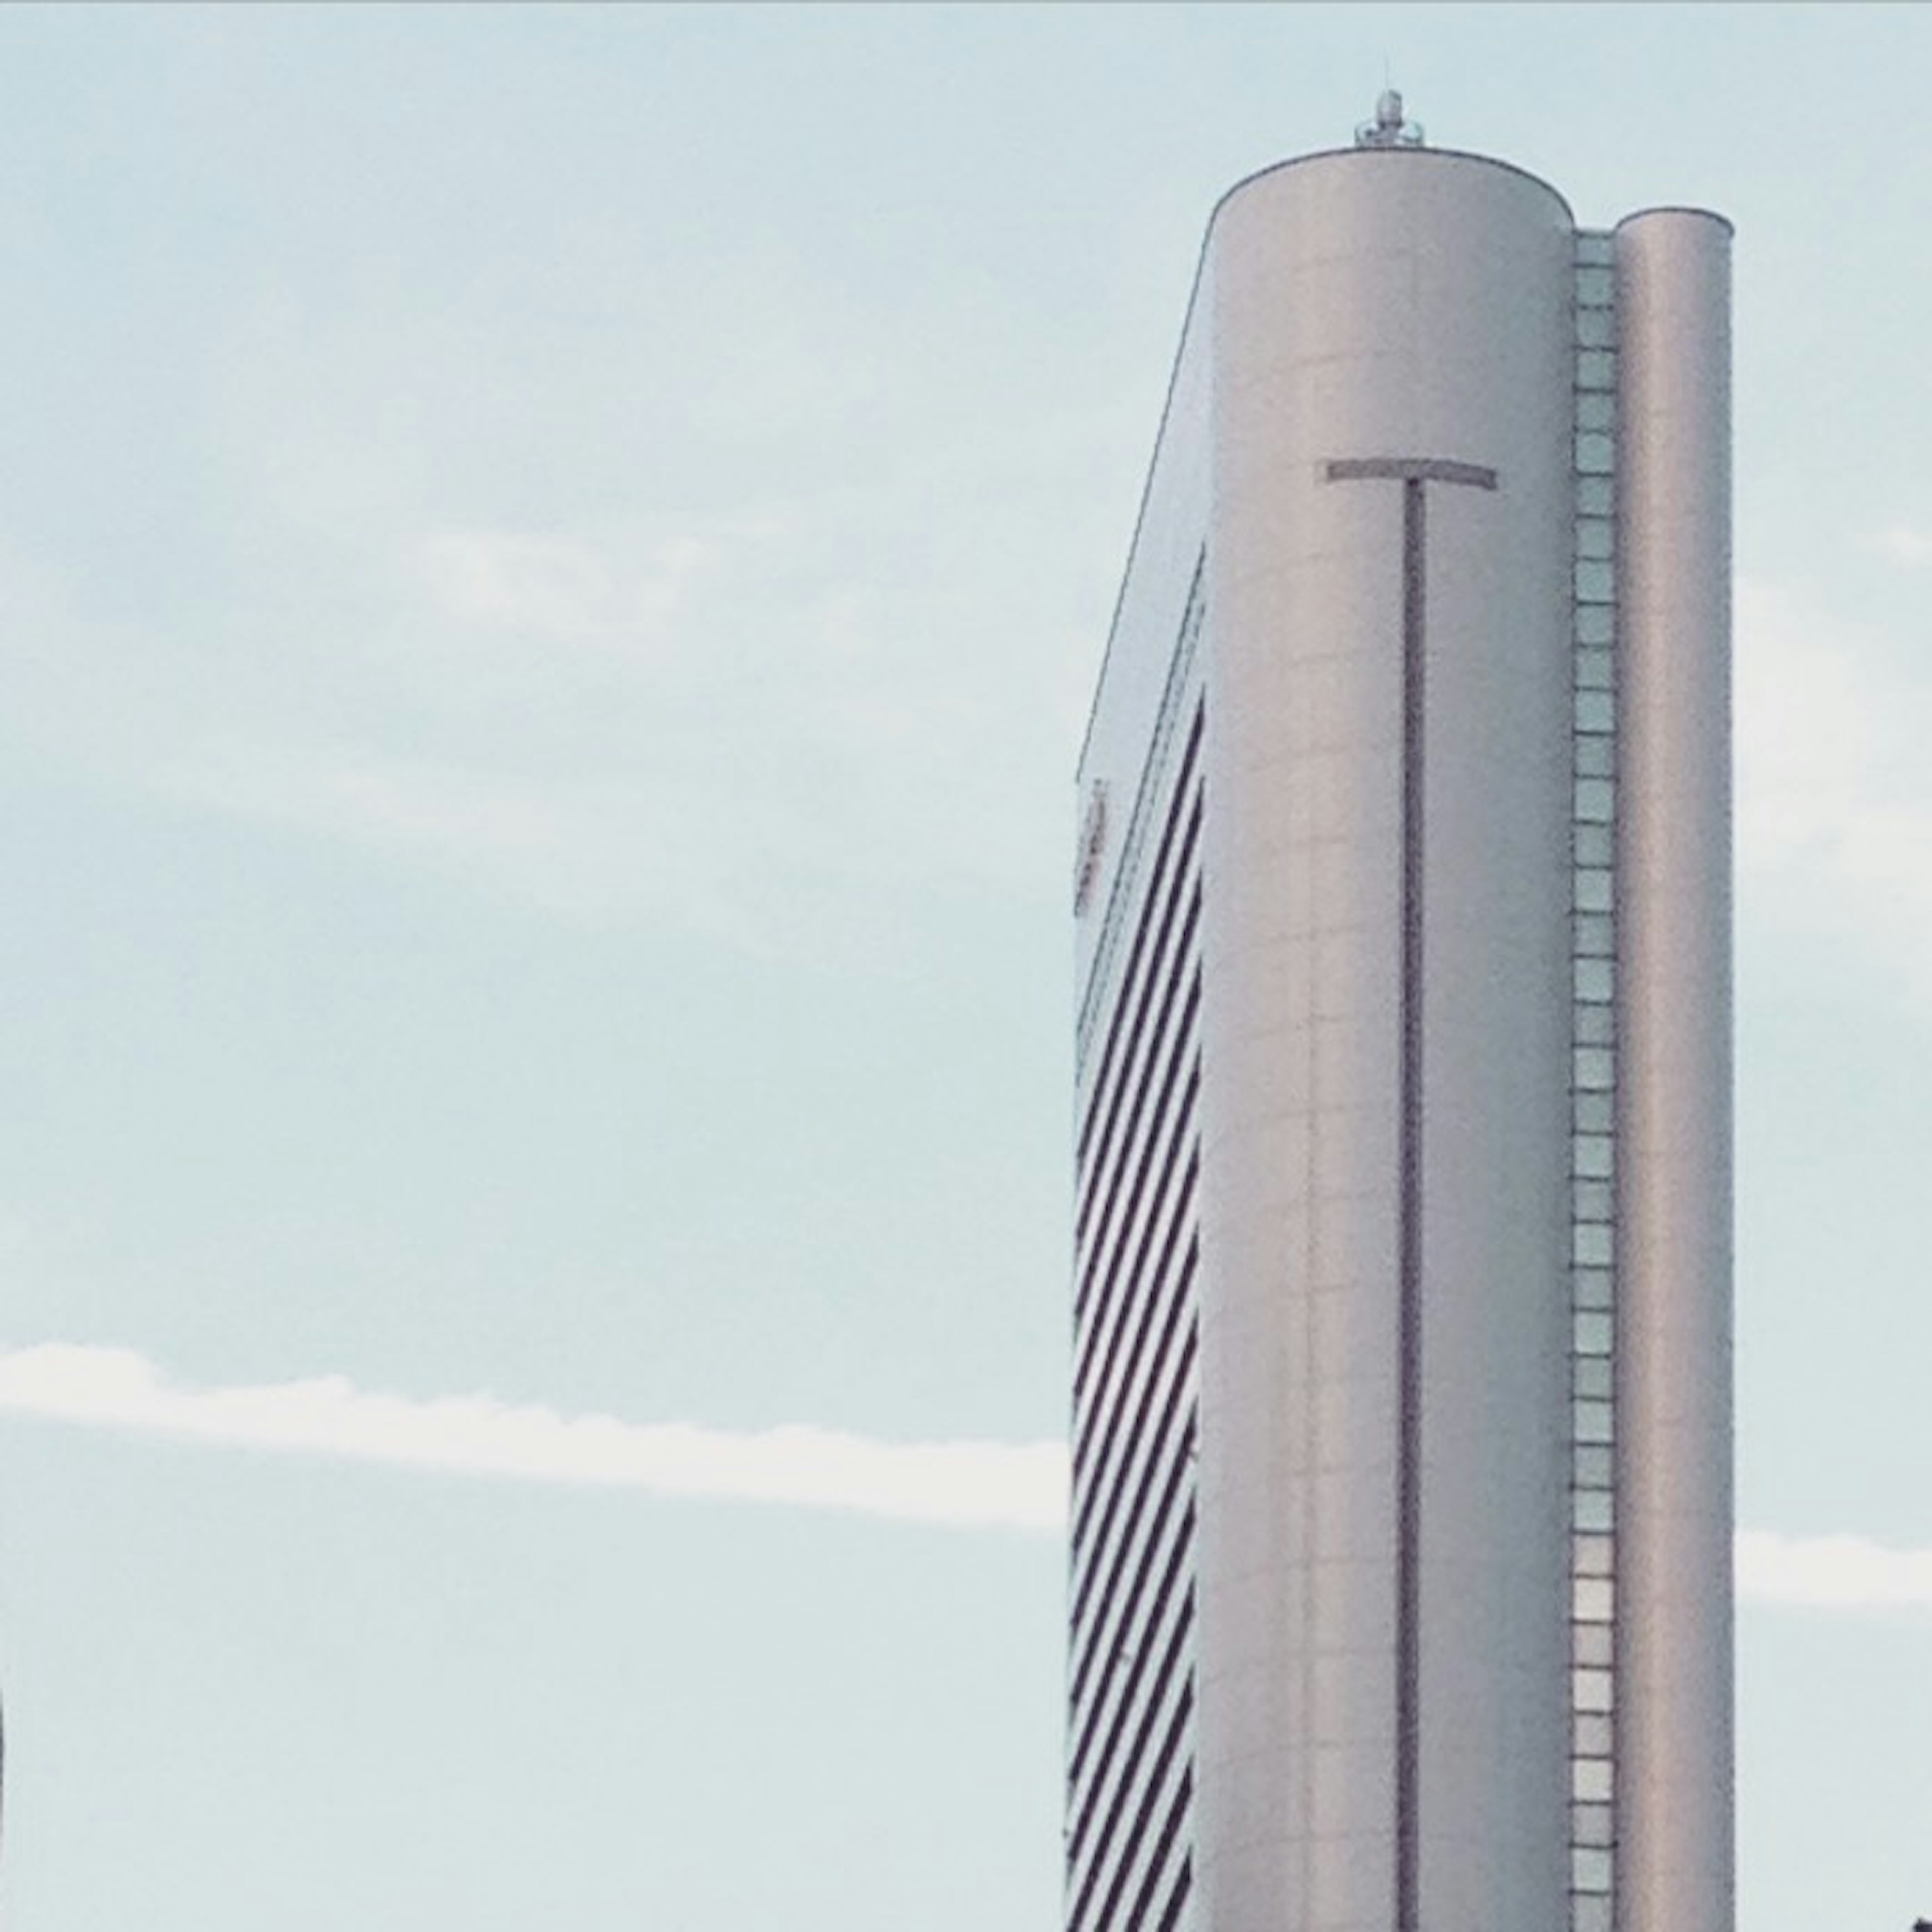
(1593, 1068)
(1590, 1646)
(1590, 1468)
(1596, 369)
(1592, 1113)
(1596, 408)
(1590, 1376)
(1591, 1334)
(1596, 623)
(1593, 1156)
(1590, 1912)
(1590, 1244)
(1596, 288)
(1596, 454)
(1596, 536)
(1592, 934)
(1596, 496)
(1590, 1200)
(1592, 883)
(1596, 328)
(1591, 1509)
(1591, 1691)
(1590, 1824)
(1595, 757)
(1593, 667)
(1590, 1288)
(1596, 711)
(1596, 800)
(1591, 1555)
(1591, 845)
(1591, 1736)
(1594, 1602)
(1595, 244)
(1589, 1871)
(1593, 1026)
(1592, 1422)
(1596, 580)
(1590, 1780)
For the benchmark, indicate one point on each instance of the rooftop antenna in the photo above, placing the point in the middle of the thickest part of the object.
(1388, 129)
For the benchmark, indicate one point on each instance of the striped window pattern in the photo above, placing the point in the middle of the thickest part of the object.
(1130, 1770)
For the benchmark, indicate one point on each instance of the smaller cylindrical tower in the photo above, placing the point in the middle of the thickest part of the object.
(1674, 1510)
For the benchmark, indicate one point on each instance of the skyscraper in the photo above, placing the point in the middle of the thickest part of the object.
(1400, 1580)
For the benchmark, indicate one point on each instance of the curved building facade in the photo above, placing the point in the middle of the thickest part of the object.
(1400, 1566)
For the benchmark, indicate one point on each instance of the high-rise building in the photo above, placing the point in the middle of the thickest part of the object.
(1400, 1578)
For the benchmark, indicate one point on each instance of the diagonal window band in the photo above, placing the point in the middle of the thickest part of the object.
(1414, 474)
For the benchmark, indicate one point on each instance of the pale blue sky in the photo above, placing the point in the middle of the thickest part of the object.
(550, 565)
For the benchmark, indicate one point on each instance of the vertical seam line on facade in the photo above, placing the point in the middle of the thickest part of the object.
(1408, 1315)
(1414, 473)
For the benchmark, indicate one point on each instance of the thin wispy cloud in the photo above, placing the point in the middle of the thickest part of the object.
(966, 1485)
(1909, 547)
(988, 1485)
(561, 588)
(1834, 804)
(724, 726)
(1832, 1572)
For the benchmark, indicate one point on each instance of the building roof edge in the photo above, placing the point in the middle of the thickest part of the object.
(1375, 156)
(1372, 155)
(1146, 492)
(1723, 221)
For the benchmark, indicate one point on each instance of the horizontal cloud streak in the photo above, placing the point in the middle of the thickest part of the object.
(983, 1485)
(1832, 1572)
(974, 1484)
(1910, 547)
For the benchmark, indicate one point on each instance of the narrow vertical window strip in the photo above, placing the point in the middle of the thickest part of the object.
(1593, 1196)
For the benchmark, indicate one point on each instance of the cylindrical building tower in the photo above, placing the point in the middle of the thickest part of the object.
(1674, 1797)
(1400, 1590)
(1385, 1370)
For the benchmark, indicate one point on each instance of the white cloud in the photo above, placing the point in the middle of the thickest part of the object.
(1835, 797)
(767, 724)
(968, 1484)
(562, 586)
(1912, 548)
(1837, 1573)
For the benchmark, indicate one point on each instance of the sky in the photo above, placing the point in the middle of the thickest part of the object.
(551, 564)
